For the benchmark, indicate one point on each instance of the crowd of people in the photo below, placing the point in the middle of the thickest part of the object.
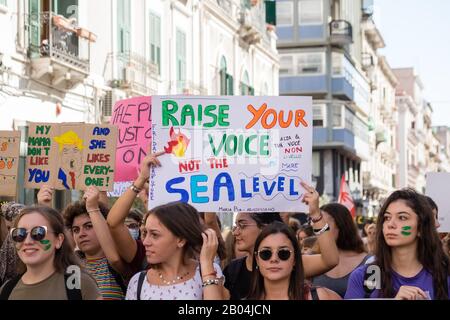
(173, 252)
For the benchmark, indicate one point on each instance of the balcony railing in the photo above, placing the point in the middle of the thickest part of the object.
(60, 39)
(341, 32)
(134, 73)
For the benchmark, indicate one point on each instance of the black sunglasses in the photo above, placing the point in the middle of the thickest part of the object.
(20, 234)
(283, 254)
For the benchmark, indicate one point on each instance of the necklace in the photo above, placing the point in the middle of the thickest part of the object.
(178, 278)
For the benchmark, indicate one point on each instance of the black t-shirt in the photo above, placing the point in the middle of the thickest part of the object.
(237, 279)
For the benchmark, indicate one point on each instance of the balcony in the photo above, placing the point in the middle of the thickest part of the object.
(252, 17)
(136, 75)
(59, 50)
(341, 32)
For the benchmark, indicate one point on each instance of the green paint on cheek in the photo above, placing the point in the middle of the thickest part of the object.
(406, 231)
(47, 244)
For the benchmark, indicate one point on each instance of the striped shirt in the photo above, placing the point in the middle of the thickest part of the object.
(107, 285)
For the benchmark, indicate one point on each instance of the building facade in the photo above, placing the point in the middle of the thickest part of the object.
(320, 45)
(414, 118)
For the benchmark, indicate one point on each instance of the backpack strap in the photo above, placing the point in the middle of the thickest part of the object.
(140, 283)
(72, 293)
(118, 278)
(9, 287)
(314, 294)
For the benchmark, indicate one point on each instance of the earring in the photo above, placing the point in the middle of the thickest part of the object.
(257, 267)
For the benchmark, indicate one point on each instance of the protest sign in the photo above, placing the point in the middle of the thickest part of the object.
(9, 162)
(133, 120)
(437, 189)
(71, 156)
(41, 155)
(228, 154)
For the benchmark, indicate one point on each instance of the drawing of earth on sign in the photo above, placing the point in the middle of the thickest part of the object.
(70, 148)
(178, 143)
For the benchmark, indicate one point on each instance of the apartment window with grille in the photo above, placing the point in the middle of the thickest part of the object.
(181, 58)
(285, 13)
(155, 40)
(310, 63)
(318, 115)
(310, 12)
(286, 65)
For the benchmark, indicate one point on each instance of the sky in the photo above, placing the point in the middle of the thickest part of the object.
(417, 34)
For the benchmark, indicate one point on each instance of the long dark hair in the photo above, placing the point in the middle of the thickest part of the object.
(64, 256)
(297, 289)
(429, 248)
(183, 222)
(348, 237)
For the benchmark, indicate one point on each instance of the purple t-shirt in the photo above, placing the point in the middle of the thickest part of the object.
(423, 280)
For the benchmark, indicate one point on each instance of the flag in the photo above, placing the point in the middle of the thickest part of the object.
(345, 197)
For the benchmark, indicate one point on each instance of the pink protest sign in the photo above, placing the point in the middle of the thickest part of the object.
(133, 120)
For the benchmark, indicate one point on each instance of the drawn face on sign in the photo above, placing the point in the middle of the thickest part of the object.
(70, 149)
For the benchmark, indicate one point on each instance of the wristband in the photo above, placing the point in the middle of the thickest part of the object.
(135, 189)
(211, 282)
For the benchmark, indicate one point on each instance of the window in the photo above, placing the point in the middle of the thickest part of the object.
(318, 115)
(285, 16)
(124, 25)
(311, 63)
(316, 164)
(246, 89)
(226, 80)
(3, 3)
(286, 65)
(310, 12)
(337, 63)
(155, 41)
(181, 58)
(337, 116)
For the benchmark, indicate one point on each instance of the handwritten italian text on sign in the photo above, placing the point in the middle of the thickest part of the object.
(71, 156)
(9, 162)
(226, 154)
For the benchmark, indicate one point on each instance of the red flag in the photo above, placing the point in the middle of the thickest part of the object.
(345, 197)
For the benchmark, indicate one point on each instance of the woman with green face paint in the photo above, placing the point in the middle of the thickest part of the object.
(38, 234)
(410, 263)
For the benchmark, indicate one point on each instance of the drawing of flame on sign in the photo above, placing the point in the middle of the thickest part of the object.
(178, 143)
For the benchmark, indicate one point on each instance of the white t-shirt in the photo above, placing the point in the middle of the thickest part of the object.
(189, 290)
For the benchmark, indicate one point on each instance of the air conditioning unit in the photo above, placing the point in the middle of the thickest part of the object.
(108, 102)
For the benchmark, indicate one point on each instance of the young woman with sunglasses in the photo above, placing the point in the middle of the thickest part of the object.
(278, 272)
(49, 259)
(249, 226)
(410, 263)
